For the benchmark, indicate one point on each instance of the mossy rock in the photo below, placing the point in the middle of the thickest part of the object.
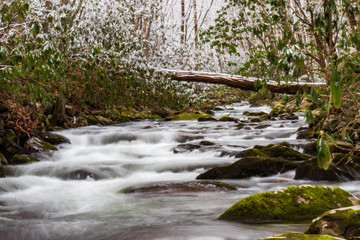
(249, 167)
(299, 236)
(179, 187)
(274, 151)
(188, 116)
(228, 119)
(38, 144)
(94, 120)
(21, 159)
(254, 114)
(292, 203)
(53, 138)
(342, 222)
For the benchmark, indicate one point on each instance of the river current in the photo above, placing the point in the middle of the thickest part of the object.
(78, 191)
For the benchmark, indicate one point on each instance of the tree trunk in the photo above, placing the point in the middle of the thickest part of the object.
(183, 22)
(195, 22)
(238, 81)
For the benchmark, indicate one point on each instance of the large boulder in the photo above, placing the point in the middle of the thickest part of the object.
(178, 187)
(258, 161)
(292, 203)
(37, 144)
(342, 222)
(53, 138)
(299, 236)
(250, 166)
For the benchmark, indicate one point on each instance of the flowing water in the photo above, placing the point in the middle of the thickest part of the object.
(78, 191)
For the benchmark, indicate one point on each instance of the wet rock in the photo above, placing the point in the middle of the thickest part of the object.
(303, 133)
(256, 120)
(37, 144)
(81, 174)
(342, 222)
(292, 203)
(186, 148)
(339, 171)
(258, 161)
(21, 159)
(53, 138)
(218, 109)
(310, 148)
(240, 126)
(207, 143)
(207, 119)
(250, 166)
(187, 138)
(163, 112)
(288, 116)
(299, 236)
(228, 119)
(93, 120)
(275, 151)
(188, 116)
(193, 186)
(254, 114)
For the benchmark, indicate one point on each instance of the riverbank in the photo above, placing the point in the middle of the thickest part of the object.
(19, 123)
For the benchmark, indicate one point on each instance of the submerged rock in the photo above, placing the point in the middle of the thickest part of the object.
(53, 138)
(292, 203)
(81, 174)
(193, 186)
(342, 222)
(37, 144)
(186, 148)
(299, 236)
(21, 159)
(258, 161)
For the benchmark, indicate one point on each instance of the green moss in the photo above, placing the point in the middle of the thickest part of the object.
(344, 222)
(40, 145)
(188, 116)
(292, 203)
(299, 236)
(283, 151)
(21, 159)
(273, 151)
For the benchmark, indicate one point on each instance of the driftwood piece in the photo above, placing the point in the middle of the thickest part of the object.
(238, 81)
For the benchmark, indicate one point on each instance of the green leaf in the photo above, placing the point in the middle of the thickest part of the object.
(324, 157)
(335, 88)
(331, 138)
(309, 117)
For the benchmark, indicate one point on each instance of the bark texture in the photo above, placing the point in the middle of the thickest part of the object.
(238, 81)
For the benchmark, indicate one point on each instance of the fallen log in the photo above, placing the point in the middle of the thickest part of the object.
(238, 81)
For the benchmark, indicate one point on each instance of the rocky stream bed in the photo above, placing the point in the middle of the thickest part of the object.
(175, 179)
